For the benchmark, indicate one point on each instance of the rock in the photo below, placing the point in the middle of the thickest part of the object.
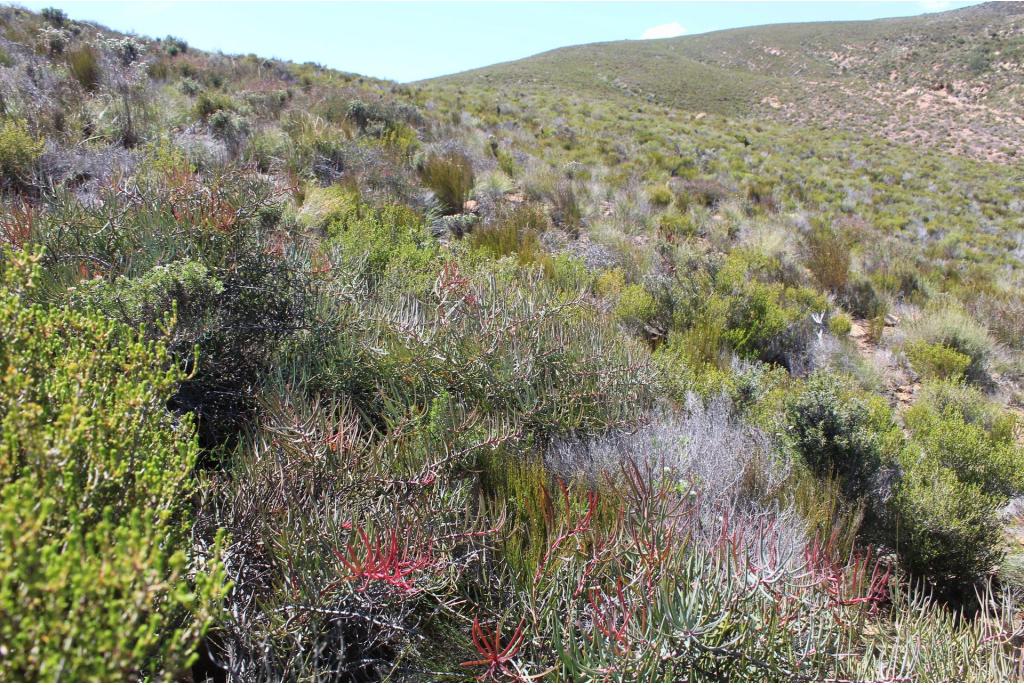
(470, 207)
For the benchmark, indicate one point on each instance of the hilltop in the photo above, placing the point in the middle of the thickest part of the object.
(949, 80)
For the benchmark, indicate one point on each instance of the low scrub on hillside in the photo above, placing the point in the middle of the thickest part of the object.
(308, 376)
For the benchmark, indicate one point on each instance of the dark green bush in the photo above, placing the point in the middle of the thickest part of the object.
(96, 481)
(251, 297)
(175, 46)
(861, 299)
(839, 433)
(57, 18)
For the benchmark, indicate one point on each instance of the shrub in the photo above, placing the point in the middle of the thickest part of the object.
(962, 431)
(321, 206)
(565, 206)
(374, 117)
(700, 192)
(515, 232)
(947, 530)
(934, 360)
(220, 225)
(450, 175)
(210, 102)
(230, 128)
(85, 67)
(96, 480)
(389, 237)
(675, 225)
(1003, 314)
(636, 307)
(175, 46)
(840, 433)
(19, 151)
(761, 195)
(946, 323)
(660, 196)
(828, 257)
(961, 469)
(840, 325)
(862, 299)
(55, 17)
(265, 150)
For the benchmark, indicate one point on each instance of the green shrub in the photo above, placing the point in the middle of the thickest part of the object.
(828, 257)
(761, 195)
(507, 162)
(175, 46)
(934, 360)
(230, 129)
(840, 325)
(221, 226)
(946, 323)
(18, 151)
(660, 196)
(672, 224)
(962, 467)
(570, 273)
(55, 17)
(947, 530)
(321, 206)
(565, 205)
(450, 176)
(956, 426)
(85, 67)
(515, 232)
(636, 307)
(96, 481)
(210, 102)
(389, 237)
(842, 433)
(862, 299)
(184, 288)
(265, 150)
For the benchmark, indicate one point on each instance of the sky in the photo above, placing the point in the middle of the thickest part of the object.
(409, 41)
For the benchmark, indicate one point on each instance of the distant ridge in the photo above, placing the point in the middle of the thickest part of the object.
(953, 80)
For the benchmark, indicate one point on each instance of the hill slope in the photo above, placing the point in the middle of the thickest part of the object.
(951, 80)
(447, 382)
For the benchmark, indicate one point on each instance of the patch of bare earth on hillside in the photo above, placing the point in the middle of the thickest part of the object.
(899, 387)
(954, 117)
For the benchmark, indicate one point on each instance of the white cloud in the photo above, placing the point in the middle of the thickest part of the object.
(670, 30)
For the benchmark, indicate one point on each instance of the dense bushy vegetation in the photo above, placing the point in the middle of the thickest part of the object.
(98, 581)
(309, 376)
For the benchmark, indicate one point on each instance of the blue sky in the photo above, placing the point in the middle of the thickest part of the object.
(407, 41)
